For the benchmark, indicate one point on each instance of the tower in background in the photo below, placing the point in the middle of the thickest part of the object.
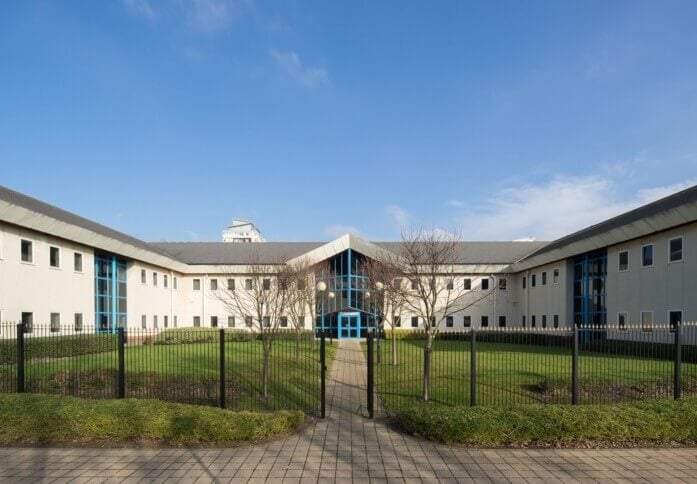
(242, 231)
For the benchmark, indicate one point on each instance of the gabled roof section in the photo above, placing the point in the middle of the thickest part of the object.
(345, 242)
(672, 211)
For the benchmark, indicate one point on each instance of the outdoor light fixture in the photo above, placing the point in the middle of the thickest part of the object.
(367, 294)
(321, 286)
(331, 294)
(379, 286)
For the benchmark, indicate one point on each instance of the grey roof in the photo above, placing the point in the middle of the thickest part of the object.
(670, 202)
(211, 253)
(43, 208)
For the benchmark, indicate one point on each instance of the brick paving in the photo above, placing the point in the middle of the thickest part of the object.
(347, 447)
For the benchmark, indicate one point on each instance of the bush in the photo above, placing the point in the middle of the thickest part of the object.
(201, 335)
(57, 346)
(648, 422)
(46, 419)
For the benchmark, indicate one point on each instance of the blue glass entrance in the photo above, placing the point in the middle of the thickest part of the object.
(349, 325)
(110, 293)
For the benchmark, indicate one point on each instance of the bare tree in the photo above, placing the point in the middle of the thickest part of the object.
(424, 271)
(262, 300)
(387, 299)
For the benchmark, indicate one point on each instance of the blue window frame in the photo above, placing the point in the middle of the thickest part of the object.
(590, 273)
(110, 293)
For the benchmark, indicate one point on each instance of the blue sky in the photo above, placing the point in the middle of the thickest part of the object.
(499, 120)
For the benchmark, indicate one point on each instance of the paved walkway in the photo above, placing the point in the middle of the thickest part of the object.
(346, 447)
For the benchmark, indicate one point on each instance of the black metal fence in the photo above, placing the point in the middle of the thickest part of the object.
(217, 367)
(509, 366)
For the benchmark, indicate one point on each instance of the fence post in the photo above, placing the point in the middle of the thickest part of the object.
(121, 392)
(323, 369)
(222, 368)
(574, 368)
(677, 368)
(370, 374)
(20, 358)
(473, 368)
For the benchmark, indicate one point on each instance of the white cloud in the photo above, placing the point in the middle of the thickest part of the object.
(212, 15)
(141, 8)
(555, 208)
(337, 230)
(289, 61)
(398, 215)
(455, 203)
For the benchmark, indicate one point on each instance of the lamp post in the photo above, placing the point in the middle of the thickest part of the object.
(331, 339)
(321, 287)
(379, 286)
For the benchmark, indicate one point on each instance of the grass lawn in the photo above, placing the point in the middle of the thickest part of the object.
(512, 373)
(49, 419)
(647, 423)
(187, 373)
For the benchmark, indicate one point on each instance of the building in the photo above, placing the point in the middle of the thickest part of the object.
(60, 269)
(242, 231)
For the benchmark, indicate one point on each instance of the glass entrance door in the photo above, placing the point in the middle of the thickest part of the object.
(349, 325)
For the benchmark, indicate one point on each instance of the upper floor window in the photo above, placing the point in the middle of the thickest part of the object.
(485, 284)
(414, 284)
(77, 262)
(544, 278)
(248, 284)
(214, 284)
(301, 284)
(623, 261)
(266, 284)
(556, 276)
(197, 284)
(525, 282)
(174, 282)
(647, 255)
(164, 280)
(142, 276)
(231, 284)
(502, 284)
(154, 278)
(54, 256)
(675, 247)
(468, 283)
(27, 248)
(533, 280)
(449, 285)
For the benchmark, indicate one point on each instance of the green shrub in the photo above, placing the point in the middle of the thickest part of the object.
(57, 346)
(201, 335)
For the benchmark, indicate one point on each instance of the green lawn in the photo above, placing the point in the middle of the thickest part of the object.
(513, 373)
(49, 419)
(187, 373)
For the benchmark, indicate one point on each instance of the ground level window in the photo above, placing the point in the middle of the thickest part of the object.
(55, 322)
(174, 321)
(556, 320)
(544, 320)
(622, 321)
(502, 321)
(674, 318)
(532, 320)
(143, 321)
(468, 284)
(197, 321)
(397, 321)
(448, 321)
(231, 321)
(166, 320)
(154, 321)
(284, 322)
(78, 322)
(266, 321)
(414, 321)
(647, 321)
(248, 321)
(28, 322)
(214, 321)
(485, 321)
(523, 321)
(467, 321)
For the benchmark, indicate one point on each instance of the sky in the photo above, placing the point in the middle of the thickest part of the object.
(496, 120)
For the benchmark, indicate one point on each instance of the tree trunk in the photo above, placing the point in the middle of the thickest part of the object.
(427, 367)
(267, 365)
(394, 346)
(298, 335)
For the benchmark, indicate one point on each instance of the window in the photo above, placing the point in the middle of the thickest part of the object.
(433, 321)
(214, 321)
(674, 318)
(301, 284)
(266, 321)
(266, 284)
(154, 278)
(231, 321)
(397, 321)
(397, 283)
(55, 322)
(449, 285)
(533, 280)
(485, 284)
(555, 276)
(54, 256)
(468, 284)
(502, 321)
(525, 282)
(28, 322)
(164, 280)
(414, 284)
(647, 321)
(284, 322)
(467, 321)
(544, 278)
(532, 321)
(675, 247)
(154, 321)
(77, 262)
(448, 321)
(544, 320)
(485, 321)
(214, 284)
(143, 321)
(556, 320)
(166, 321)
(248, 321)
(230, 284)
(197, 321)
(623, 261)
(524, 321)
(414, 321)
(78, 322)
(174, 321)
(27, 248)
(647, 255)
(248, 284)
(502, 284)
(301, 321)
(142, 276)
(197, 284)
(174, 282)
(622, 321)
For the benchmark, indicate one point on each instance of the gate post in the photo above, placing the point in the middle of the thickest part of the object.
(222, 368)
(121, 391)
(323, 372)
(473, 368)
(677, 367)
(574, 367)
(370, 375)
(20, 358)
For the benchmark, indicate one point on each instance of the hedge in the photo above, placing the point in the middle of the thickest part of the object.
(57, 346)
